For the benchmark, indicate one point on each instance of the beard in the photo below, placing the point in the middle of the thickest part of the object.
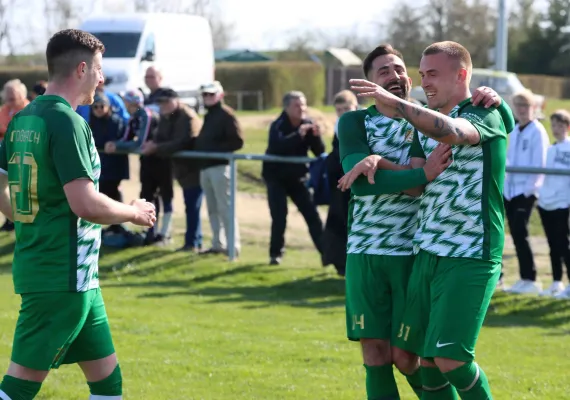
(398, 88)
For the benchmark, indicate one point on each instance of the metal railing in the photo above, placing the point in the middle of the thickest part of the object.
(234, 157)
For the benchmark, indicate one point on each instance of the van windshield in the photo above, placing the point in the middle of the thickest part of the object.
(119, 44)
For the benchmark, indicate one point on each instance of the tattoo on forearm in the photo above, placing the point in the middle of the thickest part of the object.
(443, 125)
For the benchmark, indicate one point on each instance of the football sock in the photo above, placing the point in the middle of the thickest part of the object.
(415, 381)
(436, 386)
(380, 383)
(470, 381)
(110, 388)
(18, 389)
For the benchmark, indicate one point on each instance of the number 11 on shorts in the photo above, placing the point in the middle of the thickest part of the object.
(404, 331)
(358, 321)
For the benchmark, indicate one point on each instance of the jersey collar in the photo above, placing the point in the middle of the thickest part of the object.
(52, 97)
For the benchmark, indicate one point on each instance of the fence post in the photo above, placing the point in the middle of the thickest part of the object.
(232, 210)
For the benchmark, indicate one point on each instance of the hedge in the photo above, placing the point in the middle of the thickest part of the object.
(28, 76)
(273, 79)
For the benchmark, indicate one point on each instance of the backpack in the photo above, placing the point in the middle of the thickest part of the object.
(123, 239)
(319, 180)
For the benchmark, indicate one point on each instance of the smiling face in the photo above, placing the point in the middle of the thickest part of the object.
(389, 71)
(91, 77)
(441, 78)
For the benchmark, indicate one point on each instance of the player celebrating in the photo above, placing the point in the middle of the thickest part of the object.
(459, 242)
(383, 223)
(50, 162)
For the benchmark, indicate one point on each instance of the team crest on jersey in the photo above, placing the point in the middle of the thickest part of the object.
(409, 137)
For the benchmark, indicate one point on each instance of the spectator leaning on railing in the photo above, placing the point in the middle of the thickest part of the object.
(117, 104)
(528, 144)
(291, 134)
(554, 204)
(220, 133)
(177, 129)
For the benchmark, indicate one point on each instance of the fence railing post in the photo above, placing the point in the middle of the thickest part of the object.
(232, 211)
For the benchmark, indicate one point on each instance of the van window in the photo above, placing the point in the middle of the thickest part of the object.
(149, 44)
(119, 44)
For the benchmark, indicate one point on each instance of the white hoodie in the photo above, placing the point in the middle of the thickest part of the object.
(526, 149)
(555, 191)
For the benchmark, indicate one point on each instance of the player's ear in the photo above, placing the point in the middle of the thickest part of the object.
(462, 76)
(81, 69)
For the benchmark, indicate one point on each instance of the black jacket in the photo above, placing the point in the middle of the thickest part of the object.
(114, 167)
(285, 140)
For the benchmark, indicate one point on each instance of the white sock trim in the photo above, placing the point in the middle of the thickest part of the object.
(4, 396)
(474, 380)
(99, 397)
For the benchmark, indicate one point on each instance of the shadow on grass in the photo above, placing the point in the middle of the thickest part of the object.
(509, 310)
(308, 292)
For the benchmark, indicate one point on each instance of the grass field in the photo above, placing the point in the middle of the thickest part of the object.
(204, 329)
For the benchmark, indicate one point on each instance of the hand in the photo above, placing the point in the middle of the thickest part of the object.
(438, 161)
(110, 147)
(386, 102)
(486, 97)
(316, 129)
(148, 148)
(145, 214)
(366, 167)
(304, 128)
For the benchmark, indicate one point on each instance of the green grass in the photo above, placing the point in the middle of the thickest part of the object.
(202, 328)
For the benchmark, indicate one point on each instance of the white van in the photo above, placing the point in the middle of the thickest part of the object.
(180, 45)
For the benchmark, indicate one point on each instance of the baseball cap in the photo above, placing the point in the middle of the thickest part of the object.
(212, 88)
(167, 94)
(134, 96)
(101, 98)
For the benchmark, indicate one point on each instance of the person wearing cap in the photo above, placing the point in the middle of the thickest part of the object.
(142, 127)
(106, 127)
(220, 133)
(117, 105)
(177, 129)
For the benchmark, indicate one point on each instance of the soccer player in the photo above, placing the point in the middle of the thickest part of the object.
(382, 224)
(459, 241)
(51, 166)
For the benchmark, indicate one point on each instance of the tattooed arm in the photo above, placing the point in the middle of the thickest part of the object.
(444, 129)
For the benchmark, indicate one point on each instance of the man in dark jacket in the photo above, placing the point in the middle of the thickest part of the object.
(178, 127)
(292, 134)
(220, 133)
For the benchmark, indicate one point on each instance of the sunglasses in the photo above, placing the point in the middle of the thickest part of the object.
(98, 106)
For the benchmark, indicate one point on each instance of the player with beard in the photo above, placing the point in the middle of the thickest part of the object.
(460, 237)
(52, 167)
(382, 223)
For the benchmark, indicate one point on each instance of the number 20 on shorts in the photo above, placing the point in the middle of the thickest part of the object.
(404, 331)
(24, 187)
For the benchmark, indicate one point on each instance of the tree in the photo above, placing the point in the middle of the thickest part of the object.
(407, 33)
(7, 8)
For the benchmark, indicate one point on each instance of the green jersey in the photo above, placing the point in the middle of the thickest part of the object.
(462, 211)
(47, 145)
(382, 224)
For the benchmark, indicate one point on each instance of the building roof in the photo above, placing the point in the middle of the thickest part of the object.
(344, 57)
(240, 55)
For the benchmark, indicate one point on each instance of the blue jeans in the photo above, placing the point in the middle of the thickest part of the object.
(193, 201)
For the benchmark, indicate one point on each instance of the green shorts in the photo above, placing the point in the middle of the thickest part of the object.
(375, 294)
(61, 328)
(446, 304)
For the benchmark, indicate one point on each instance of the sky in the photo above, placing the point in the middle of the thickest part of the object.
(259, 25)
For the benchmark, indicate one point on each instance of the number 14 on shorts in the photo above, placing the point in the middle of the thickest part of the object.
(404, 331)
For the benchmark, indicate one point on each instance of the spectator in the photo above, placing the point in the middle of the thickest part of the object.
(528, 144)
(38, 89)
(109, 127)
(153, 81)
(554, 204)
(117, 105)
(178, 127)
(335, 235)
(292, 134)
(220, 133)
(14, 98)
(155, 172)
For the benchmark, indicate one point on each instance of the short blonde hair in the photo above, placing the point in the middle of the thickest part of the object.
(17, 85)
(345, 97)
(526, 95)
